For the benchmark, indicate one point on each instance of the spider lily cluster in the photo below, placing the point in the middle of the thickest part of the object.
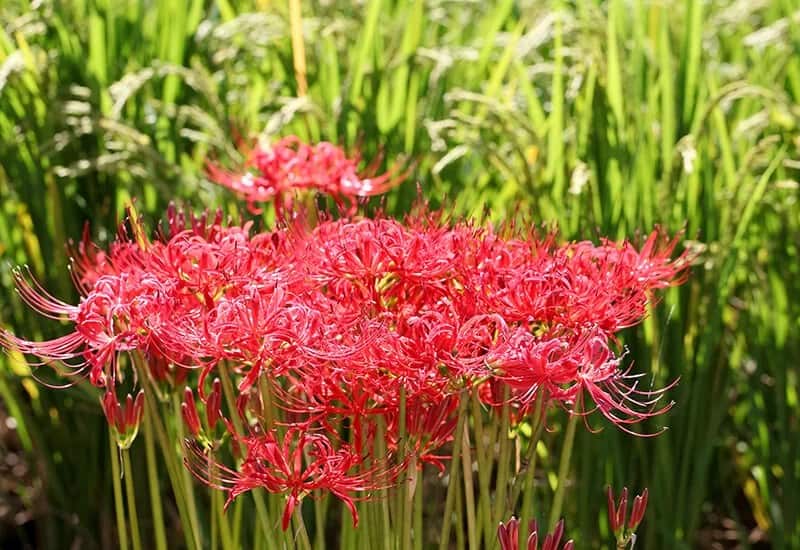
(348, 347)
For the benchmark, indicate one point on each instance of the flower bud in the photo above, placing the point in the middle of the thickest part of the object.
(124, 419)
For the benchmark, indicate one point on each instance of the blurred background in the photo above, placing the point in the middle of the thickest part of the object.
(604, 118)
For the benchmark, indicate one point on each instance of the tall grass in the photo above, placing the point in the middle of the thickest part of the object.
(605, 118)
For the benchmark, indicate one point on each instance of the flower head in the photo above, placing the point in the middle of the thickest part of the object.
(290, 165)
(296, 466)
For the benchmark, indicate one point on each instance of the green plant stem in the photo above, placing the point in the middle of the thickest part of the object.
(172, 460)
(563, 470)
(130, 493)
(469, 495)
(301, 533)
(188, 482)
(408, 490)
(152, 480)
(221, 520)
(118, 505)
(173, 471)
(504, 461)
(320, 509)
(236, 535)
(418, 505)
(484, 456)
(258, 498)
(453, 483)
(530, 469)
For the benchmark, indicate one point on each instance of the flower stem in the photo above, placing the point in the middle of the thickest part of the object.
(221, 520)
(484, 455)
(188, 482)
(173, 461)
(174, 465)
(152, 478)
(300, 528)
(261, 508)
(408, 493)
(418, 514)
(563, 470)
(538, 423)
(319, 521)
(469, 494)
(453, 482)
(130, 494)
(504, 460)
(118, 505)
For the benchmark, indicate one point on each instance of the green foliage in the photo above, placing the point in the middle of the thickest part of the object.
(603, 118)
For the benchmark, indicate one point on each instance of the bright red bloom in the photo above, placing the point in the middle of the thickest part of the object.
(347, 324)
(290, 165)
(300, 464)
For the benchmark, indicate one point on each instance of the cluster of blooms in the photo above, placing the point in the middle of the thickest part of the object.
(275, 172)
(351, 335)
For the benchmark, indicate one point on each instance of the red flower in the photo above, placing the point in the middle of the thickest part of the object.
(290, 165)
(300, 464)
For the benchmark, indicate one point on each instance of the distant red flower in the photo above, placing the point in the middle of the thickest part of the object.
(291, 165)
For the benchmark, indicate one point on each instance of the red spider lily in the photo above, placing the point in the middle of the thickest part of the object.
(429, 426)
(290, 165)
(508, 535)
(346, 322)
(124, 419)
(297, 466)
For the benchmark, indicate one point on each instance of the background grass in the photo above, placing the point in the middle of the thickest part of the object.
(605, 118)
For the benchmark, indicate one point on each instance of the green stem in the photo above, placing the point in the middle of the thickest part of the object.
(258, 498)
(469, 495)
(484, 456)
(459, 503)
(402, 490)
(173, 468)
(319, 519)
(188, 482)
(236, 536)
(300, 527)
(418, 504)
(563, 470)
(213, 535)
(408, 493)
(152, 479)
(383, 494)
(118, 505)
(171, 459)
(130, 493)
(504, 460)
(453, 482)
(221, 520)
(530, 471)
